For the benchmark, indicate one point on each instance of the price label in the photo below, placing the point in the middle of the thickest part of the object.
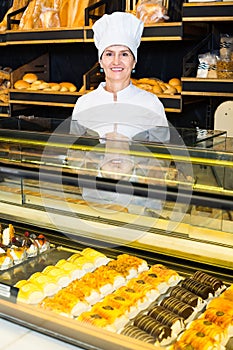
(8, 292)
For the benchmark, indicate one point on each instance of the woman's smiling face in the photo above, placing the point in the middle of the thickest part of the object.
(117, 62)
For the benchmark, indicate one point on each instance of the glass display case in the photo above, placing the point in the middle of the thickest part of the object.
(168, 203)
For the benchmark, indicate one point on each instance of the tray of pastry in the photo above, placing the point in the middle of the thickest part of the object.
(125, 295)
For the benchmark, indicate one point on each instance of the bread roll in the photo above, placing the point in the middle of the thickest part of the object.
(145, 86)
(71, 87)
(30, 77)
(43, 86)
(157, 89)
(174, 82)
(54, 86)
(170, 91)
(21, 84)
(178, 88)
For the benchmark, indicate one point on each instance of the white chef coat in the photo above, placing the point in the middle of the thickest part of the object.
(138, 115)
(135, 111)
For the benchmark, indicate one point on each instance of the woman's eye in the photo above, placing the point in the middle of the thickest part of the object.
(125, 54)
(109, 54)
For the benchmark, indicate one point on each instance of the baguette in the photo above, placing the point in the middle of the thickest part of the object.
(17, 4)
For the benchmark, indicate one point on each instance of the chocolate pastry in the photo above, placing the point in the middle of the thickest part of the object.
(198, 288)
(153, 327)
(137, 333)
(178, 307)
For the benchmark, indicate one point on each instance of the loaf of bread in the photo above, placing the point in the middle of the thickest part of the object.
(17, 4)
(158, 86)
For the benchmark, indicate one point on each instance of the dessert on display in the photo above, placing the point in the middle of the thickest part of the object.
(198, 288)
(187, 297)
(17, 248)
(137, 333)
(184, 310)
(58, 274)
(170, 276)
(47, 283)
(29, 292)
(217, 285)
(42, 243)
(212, 330)
(66, 303)
(161, 332)
(116, 317)
(6, 260)
(7, 235)
(175, 322)
(30, 245)
(98, 258)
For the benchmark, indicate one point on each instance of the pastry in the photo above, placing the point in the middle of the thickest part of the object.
(71, 269)
(95, 319)
(42, 243)
(137, 333)
(150, 291)
(168, 275)
(164, 316)
(6, 260)
(155, 281)
(84, 263)
(187, 297)
(221, 304)
(18, 253)
(29, 292)
(66, 303)
(178, 307)
(220, 318)
(196, 340)
(121, 303)
(228, 293)
(215, 283)
(7, 235)
(30, 245)
(160, 332)
(58, 274)
(114, 316)
(99, 258)
(88, 285)
(47, 283)
(198, 288)
(213, 331)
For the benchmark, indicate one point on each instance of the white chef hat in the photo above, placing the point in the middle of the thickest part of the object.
(119, 28)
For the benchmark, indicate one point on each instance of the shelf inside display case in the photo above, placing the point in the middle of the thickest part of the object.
(45, 179)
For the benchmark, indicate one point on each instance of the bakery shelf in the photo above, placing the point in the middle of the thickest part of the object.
(160, 31)
(207, 87)
(43, 98)
(4, 110)
(57, 35)
(172, 103)
(208, 11)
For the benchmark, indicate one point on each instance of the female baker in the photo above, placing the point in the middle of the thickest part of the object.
(117, 111)
(117, 37)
